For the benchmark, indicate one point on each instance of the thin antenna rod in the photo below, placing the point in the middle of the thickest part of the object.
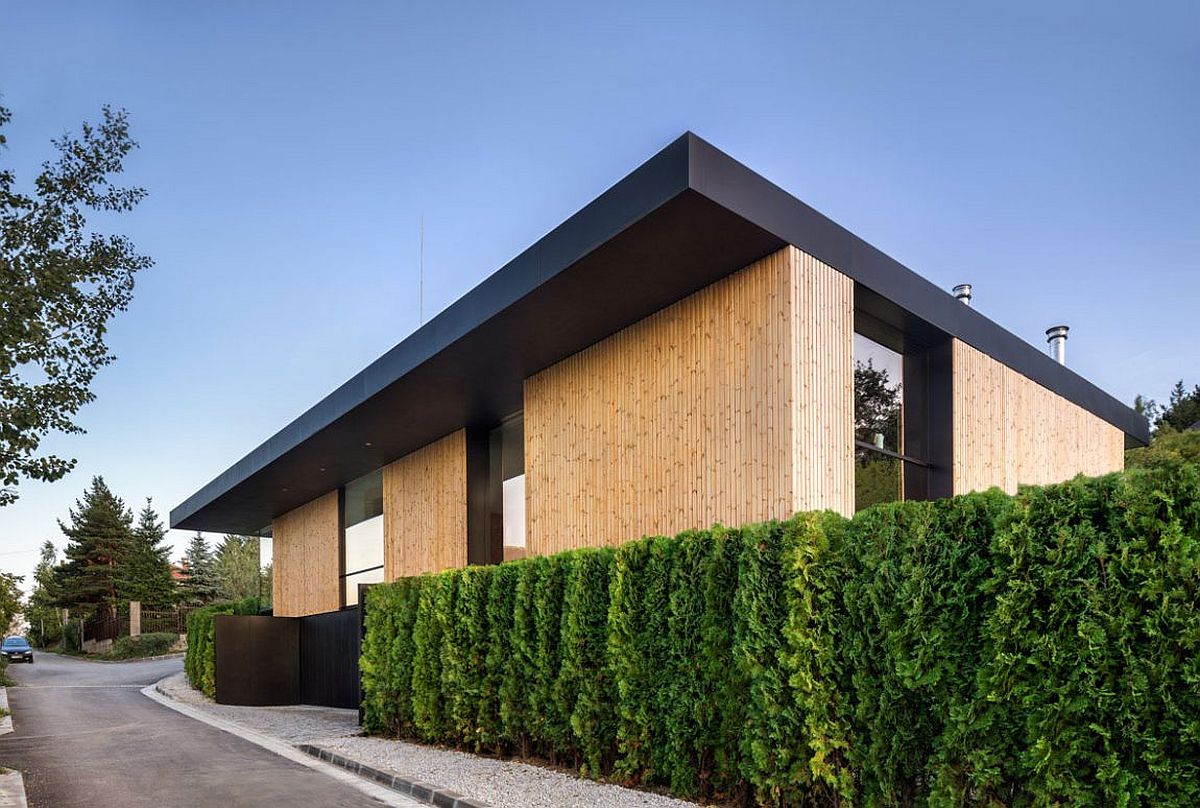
(421, 276)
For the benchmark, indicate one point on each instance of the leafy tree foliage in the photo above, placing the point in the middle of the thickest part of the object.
(99, 538)
(10, 600)
(146, 570)
(201, 584)
(236, 566)
(60, 284)
(42, 611)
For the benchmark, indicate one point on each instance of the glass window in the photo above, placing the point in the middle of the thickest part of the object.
(878, 423)
(506, 490)
(362, 534)
(374, 576)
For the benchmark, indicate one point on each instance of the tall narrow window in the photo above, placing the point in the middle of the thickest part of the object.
(362, 535)
(878, 424)
(506, 483)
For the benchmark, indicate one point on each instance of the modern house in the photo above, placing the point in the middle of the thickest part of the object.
(680, 352)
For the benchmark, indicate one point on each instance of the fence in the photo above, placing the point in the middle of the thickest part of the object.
(105, 627)
(109, 627)
(173, 621)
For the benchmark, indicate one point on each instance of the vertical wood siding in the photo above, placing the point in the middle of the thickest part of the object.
(732, 405)
(1010, 431)
(425, 509)
(305, 558)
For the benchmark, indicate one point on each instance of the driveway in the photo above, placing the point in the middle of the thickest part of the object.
(85, 736)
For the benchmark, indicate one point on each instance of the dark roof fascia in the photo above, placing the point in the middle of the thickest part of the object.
(658, 180)
(687, 168)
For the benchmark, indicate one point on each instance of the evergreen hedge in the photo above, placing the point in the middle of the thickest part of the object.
(199, 662)
(982, 650)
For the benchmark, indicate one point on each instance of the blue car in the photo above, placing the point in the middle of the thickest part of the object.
(17, 649)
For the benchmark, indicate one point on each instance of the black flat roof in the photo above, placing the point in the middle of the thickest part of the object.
(685, 218)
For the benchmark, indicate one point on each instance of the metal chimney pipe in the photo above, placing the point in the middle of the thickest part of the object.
(1057, 337)
(963, 293)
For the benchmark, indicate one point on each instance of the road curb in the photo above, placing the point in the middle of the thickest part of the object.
(6, 724)
(371, 788)
(12, 789)
(416, 789)
(85, 658)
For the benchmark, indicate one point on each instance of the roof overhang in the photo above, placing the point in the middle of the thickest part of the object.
(687, 217)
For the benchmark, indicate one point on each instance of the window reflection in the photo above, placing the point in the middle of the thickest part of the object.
(362, 534)
(878, 424)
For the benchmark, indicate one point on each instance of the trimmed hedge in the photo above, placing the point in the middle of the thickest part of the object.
(199, 662)
(981, 650)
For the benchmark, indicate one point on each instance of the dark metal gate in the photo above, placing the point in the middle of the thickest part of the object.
(263, 660)
(329, 650)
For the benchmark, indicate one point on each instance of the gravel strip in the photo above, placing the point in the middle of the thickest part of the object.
(499, 783)
(292, 724)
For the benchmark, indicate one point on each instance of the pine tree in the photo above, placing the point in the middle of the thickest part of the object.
(200, 585)
(146, 576)
(100, 536)
(41, 611)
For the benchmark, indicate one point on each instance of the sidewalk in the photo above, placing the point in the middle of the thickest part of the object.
(484, 780)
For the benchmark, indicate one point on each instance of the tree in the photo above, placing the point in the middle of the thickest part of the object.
(10, 599)
(1181, 413)
(41, 611)
(100, 536)
(146, 573)
(1182, 410)
(60, 284)
(237, 567)
(201, 584)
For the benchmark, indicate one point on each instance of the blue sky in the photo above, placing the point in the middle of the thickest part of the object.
(1046, 153)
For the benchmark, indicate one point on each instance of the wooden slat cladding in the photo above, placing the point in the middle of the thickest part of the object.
(1010, 431)
(733, 405)
(305, 558)
(425, 509)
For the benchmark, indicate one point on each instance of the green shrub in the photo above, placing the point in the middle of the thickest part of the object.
(1042, 649)
(1090, 688)
(814, 635)
(144, 645)
(639, 648)
(73, 635)
(199, 662)
(914, 601)
(463, 653)
(584, 690)
(387, 657)
(434, 603)
(497, 653)
(547, 718)
(519, 669)
(774, 751)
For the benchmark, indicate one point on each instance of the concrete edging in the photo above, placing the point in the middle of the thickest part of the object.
(414, 788)
(12, 789)
(12, 782)
(371, 788)
(6, 724)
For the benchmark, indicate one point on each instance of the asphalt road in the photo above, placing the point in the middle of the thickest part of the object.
(85, 736)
